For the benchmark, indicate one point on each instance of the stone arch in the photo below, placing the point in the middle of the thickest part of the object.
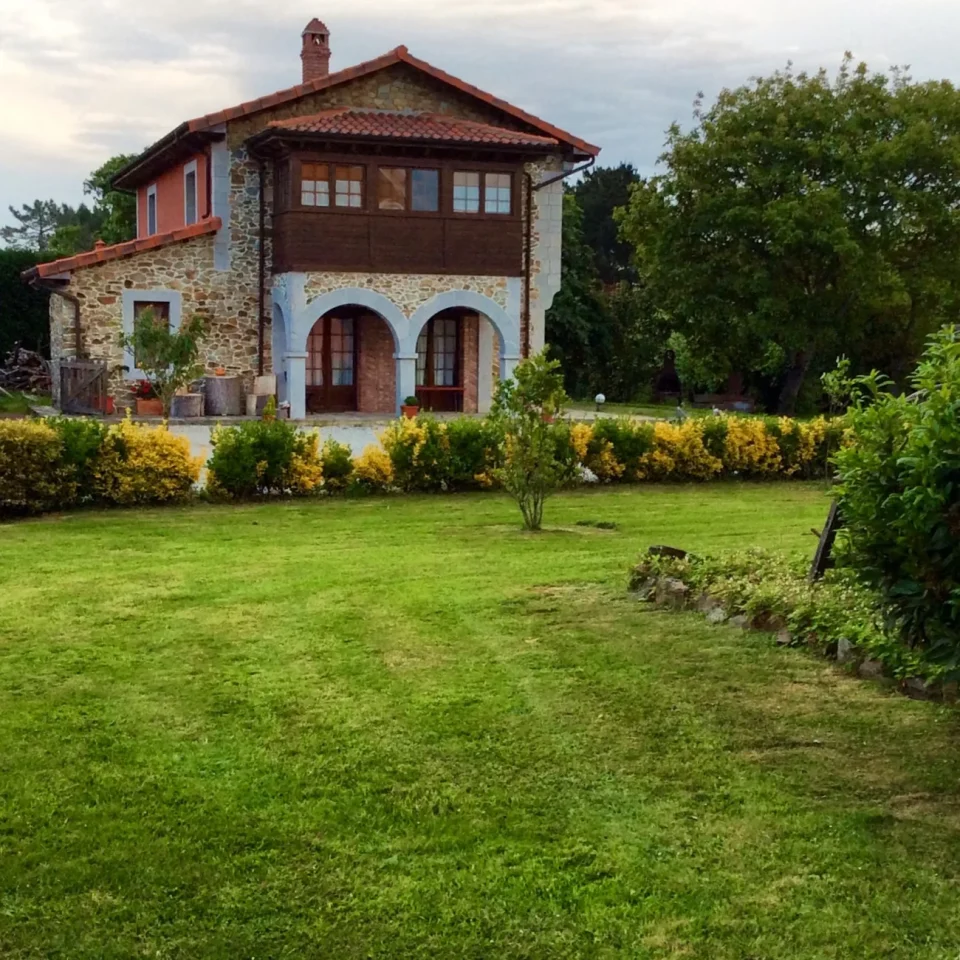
(506, 327)
(375, 302)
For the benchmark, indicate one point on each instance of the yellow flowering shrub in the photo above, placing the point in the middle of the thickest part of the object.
(419, 451)
(32, 476)
(580, 436)
(374, 468)
(750, 448)
(305, 473)
(140, 464)
(678, 454)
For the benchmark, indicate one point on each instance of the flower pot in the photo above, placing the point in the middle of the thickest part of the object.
(410, 412)
(149, 408)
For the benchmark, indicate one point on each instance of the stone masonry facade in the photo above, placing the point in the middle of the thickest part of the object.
(226, 290)
(186, 268)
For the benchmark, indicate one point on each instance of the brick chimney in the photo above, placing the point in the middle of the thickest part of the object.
(316, 51)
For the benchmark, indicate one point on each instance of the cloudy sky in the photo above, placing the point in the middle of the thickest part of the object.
(81, 80)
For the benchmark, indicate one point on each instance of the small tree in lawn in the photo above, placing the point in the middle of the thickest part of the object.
(168, 359)
(526, 405)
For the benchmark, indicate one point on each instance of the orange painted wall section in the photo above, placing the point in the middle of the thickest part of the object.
(170, 212)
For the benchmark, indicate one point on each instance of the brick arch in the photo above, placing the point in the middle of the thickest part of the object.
(375, 302)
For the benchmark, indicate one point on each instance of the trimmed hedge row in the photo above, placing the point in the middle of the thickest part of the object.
(59, 463)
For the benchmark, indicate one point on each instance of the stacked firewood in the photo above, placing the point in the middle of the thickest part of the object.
(25, 371)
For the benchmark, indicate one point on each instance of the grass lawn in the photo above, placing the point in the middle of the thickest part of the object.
(402, 728)
(20, 402)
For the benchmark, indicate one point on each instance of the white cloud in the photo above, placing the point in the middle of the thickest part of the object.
(83, 79)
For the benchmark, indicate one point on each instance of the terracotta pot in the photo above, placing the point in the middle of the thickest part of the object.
(410, 412)
(149, 408)
(220, 371)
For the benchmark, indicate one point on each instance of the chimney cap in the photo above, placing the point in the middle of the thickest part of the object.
(315, 26)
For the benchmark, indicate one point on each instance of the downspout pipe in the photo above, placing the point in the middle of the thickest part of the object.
(529, 189)
(261, 319)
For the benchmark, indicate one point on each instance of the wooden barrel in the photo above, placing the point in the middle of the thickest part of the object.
(224, 396)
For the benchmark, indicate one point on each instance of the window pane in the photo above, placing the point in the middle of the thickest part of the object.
(349, 187)
(190, 196)
(152, 213)
(161, 316)
(444, 352)
(315, 357)
(466, 192)
(392, 188)
(425, 192)
(497, 193)
(341, 352)
(422, 358)
(314, 185)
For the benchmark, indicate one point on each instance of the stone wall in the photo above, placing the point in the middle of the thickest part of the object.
(409, 292)
(186, 267)
(399, 87)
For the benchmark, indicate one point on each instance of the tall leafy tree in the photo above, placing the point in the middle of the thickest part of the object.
(117, 210)
(810, 216)
(36, 224)
(600, 192)
(576, 325)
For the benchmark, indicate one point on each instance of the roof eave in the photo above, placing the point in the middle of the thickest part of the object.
(273, 134)
(153, 160)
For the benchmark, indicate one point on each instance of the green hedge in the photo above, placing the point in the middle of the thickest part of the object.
(24, 310)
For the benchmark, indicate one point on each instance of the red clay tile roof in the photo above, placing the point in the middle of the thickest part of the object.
(353, 122)
(315, 26)
(103, 253)
(399, 55)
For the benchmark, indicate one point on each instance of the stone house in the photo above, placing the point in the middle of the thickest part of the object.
(369, 234)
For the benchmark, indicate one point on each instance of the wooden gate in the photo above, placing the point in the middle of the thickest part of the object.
(83, 386)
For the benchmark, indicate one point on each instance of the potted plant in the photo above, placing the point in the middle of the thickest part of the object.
(148, 403)
(410, 408)
(168, 359)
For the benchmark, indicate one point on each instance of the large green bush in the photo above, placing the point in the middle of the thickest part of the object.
(263, 457)
(900, 500)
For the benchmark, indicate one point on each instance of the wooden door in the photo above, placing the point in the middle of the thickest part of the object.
(332, 365)
(439, 364)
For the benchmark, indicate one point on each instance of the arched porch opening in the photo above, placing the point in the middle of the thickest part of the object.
(350, 365)
(447, 361)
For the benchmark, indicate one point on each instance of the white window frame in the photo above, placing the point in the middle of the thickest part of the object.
(189, 168)
(152, 192)
(132, 297)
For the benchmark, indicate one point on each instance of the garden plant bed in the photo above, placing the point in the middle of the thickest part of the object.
(400, 727)
(756, 591)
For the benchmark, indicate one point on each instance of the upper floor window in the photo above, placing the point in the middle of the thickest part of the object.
(151, 210)
(400, 188)
(349, 186)
(466, 192)
(497, 192)
(315, 185)
(190, 193)
(491, 192)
